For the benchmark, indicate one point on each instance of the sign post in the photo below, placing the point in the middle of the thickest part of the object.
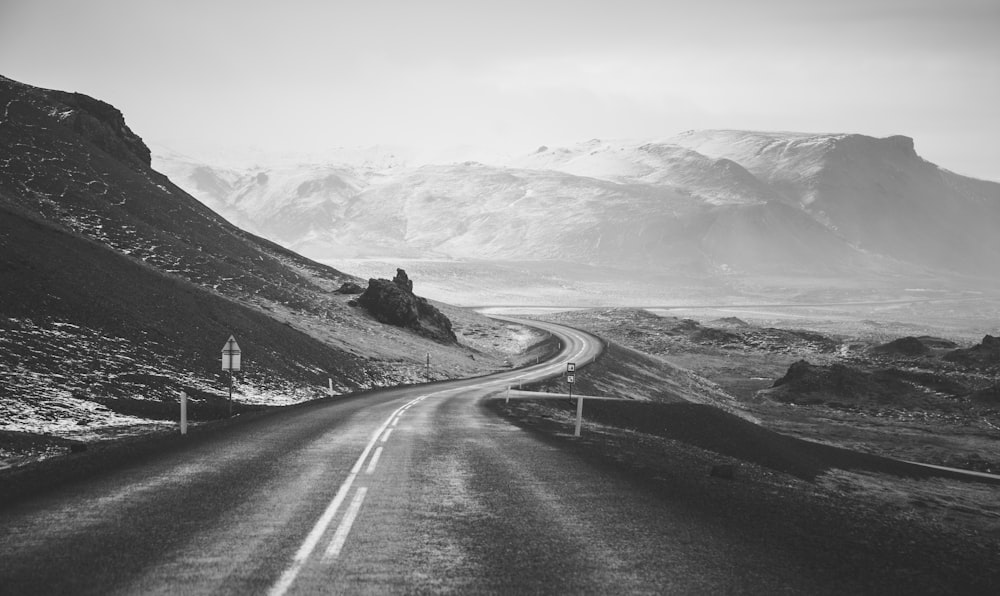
(231, 361)
(570, 378)
(184, 412)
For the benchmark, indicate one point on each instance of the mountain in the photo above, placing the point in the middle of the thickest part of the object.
(120, 289)
(705, 203)
(877, 194)
(312, 196)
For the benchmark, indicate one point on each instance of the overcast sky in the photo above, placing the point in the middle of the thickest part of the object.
(514, 74)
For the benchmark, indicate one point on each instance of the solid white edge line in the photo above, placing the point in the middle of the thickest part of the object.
(374, 460)
(344, 529)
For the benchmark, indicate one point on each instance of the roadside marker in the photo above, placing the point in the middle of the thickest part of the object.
(231, 355)
(184, 412)
(570, 378)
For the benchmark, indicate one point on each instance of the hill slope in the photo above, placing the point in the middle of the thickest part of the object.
(120, 287)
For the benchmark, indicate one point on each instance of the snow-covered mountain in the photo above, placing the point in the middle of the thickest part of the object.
(293, 205)
(700, 202)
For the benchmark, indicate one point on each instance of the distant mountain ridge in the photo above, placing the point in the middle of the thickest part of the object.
(703, 202)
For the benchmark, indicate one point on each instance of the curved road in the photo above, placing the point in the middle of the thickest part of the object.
(414, 489)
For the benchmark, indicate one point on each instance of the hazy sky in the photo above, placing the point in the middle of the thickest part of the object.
(513, 74)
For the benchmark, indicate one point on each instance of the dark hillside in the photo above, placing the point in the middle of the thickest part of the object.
(87, 323)
(119, 289)
(64, 171)
(52, 274)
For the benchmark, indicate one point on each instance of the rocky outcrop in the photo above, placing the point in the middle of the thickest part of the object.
(98, 122)
(837, 384)
(986, 354)
(103, 125)
(394, 303)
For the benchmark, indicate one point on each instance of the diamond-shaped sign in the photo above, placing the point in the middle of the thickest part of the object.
(231, 355)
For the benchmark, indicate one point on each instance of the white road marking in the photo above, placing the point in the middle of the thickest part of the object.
(374, 461)
(340, 536)
(395, 421)
(309, 544)
(288, 577)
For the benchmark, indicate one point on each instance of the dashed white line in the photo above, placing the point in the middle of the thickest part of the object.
(385, 437)
(374, 461)
(340, 536)
(286, 579)
(309, 544)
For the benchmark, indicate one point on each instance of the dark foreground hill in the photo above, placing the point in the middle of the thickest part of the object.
(119, 289)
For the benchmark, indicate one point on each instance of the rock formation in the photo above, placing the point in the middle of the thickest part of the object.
(837, 384)
(393, 302)
(985, 354)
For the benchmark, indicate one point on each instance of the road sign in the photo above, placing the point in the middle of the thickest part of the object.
(231, 355)
(570, 379)
(570, 367)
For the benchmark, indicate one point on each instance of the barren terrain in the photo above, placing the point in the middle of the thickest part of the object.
(921, 408)
(731, 365)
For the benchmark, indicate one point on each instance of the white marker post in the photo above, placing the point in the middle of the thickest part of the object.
(330, 391)
(231, 361)
(184, 413)
(570, 378)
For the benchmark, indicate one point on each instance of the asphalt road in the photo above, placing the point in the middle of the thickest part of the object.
(418, 489)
